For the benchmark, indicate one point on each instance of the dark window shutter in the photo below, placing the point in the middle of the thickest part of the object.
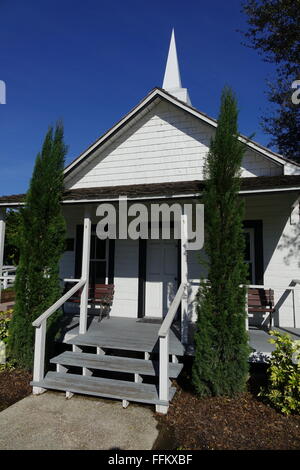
(78, 251)
(111, 261)
(257, 225)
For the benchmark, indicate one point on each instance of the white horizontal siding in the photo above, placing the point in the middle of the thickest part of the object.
(257, 165)
(281, 251)
(164, 145)
(291, 169)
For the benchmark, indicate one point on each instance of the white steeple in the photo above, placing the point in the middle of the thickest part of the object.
(172, 80)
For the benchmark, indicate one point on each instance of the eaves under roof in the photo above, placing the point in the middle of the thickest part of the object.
(180, 189)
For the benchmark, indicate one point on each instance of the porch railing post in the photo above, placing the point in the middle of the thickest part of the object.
(184, 279)
(296, 293)
(163, 373)
(2, 239)
(246, 310)
(39, 356)
(86, 246)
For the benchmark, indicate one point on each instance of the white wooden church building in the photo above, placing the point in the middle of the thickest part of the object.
(156, 153)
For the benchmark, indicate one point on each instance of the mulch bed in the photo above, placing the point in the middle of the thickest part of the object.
(244, 423)
(14, 385)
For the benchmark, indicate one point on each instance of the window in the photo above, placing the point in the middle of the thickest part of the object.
(249, 255)
(98, 259)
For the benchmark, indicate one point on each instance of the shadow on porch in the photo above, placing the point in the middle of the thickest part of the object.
(130, 334)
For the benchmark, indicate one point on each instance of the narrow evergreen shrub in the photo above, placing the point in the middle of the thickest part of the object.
(221, 343)
(41, 239)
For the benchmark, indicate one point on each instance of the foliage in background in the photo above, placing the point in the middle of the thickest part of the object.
(283, 390)
(221, 343)
(5, 319)
(274, 30)
(41, 243)
(11, 251)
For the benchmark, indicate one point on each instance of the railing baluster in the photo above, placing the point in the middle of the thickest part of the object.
(164, 368)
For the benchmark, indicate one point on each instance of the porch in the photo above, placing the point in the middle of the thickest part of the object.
(141, 336)
(259, 341)
(131, 342)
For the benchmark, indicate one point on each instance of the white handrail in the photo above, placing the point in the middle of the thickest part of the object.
(7, 276)
(40, 325)
(266, 286)
(168, 320)
(37, 323)
(163, 334)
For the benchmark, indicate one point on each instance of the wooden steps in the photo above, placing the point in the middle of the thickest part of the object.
(114, 363)
(101, 387)
(117, 359)
(126, 343)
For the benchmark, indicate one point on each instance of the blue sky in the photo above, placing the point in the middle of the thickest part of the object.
(89, 62)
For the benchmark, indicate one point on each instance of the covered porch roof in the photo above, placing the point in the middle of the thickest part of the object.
(249, 185)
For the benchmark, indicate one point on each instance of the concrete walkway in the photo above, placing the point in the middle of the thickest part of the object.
(50, 421)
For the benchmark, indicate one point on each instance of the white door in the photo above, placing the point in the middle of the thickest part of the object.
(161, 276)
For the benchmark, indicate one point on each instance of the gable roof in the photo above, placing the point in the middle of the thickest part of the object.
(156, 95)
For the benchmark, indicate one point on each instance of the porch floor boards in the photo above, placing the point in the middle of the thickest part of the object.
(259, 341)
(127, 334)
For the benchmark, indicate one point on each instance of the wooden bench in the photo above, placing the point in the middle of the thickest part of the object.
(103, 296)
(99, 295)
(261, 301)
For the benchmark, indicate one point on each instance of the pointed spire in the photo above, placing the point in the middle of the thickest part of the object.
(172, 74)
(172, 80)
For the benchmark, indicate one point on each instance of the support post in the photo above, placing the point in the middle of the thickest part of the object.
(297, 305)
(39, 357)
(86, 246)
(2, 240)
(163, 373)
(184, 279)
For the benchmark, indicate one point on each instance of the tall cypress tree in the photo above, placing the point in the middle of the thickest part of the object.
(41, 242)
(221, 346)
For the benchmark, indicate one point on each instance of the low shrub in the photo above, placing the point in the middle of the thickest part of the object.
(283, 390)
(5, 318)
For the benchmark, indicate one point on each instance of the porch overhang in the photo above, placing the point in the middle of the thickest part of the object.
(171, 190)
